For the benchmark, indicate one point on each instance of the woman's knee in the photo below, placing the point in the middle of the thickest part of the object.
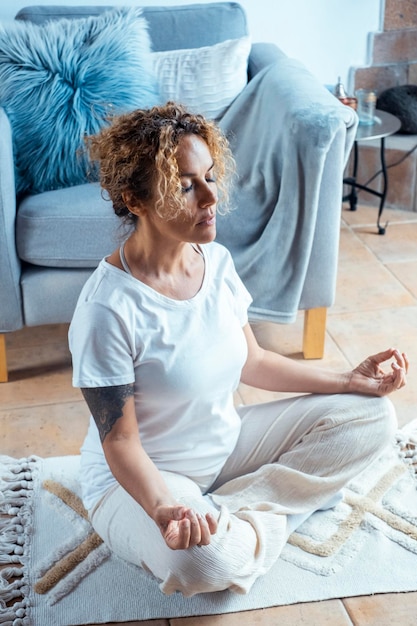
(379, 414)
(376, 420)
(385, 416)
(357, 426)
(208, 569)
(230, 561)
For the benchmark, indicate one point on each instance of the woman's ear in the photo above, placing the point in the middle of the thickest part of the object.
(135, 207)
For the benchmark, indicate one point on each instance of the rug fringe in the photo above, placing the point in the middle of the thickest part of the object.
(16, 485)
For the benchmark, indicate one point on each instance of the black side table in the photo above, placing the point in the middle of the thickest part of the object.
(384, 126)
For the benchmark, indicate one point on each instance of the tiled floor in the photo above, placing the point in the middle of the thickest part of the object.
(376, 307)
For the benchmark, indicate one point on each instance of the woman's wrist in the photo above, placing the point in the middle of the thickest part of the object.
(164, 502)
(347, 382)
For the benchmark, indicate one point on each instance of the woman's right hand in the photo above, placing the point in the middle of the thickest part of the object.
(183, 528)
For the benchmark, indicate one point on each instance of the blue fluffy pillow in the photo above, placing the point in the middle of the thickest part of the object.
(61, 80)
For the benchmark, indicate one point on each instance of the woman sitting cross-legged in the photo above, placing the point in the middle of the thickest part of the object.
(176, 479)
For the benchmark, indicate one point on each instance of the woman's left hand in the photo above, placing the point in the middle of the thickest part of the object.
(370, 378)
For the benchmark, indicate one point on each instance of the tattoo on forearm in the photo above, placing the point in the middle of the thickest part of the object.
(106, 405)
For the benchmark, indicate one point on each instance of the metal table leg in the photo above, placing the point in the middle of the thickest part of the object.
(383, 195)
(352, 197)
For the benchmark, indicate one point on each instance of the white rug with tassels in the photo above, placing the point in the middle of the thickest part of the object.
(55, 571)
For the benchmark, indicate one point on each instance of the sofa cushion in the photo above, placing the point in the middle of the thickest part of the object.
(205, 79)
(50, 294)
(59, 82)
(74, 227)
(170, 27)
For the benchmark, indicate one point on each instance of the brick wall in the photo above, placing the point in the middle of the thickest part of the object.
(393, 62)
(393, 51)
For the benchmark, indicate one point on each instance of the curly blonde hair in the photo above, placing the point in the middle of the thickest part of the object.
(136, 157)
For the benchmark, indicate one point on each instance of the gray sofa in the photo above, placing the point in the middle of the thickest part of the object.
(285, 128)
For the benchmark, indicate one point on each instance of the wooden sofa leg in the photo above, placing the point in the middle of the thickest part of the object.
(3, 360)
(314, 333)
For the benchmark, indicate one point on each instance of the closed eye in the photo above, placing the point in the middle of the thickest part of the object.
(190, 187)
(190, 175)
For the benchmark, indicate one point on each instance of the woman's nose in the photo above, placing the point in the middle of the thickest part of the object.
(209, 195)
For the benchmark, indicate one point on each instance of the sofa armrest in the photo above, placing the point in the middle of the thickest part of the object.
(261, 55)
(10, 300)
(291, 138)
(321, 131)
(301, 99)
(318, 132)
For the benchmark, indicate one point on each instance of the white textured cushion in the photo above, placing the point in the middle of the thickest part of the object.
(207, 79)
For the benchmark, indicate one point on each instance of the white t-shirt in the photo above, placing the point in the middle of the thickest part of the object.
(184, 357)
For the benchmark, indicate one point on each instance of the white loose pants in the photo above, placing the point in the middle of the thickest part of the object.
(292, 458)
